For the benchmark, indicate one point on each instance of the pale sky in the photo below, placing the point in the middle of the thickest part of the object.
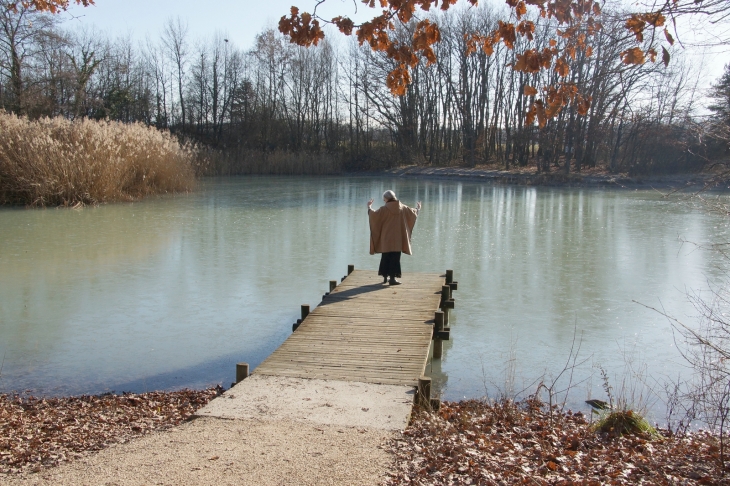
(240, 20)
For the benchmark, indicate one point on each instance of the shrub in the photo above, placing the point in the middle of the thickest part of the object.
(54, 161)
(624, 422)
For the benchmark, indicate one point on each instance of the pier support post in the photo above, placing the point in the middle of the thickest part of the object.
(333, 284)
(241, 372)
(305, 313)
(438, 325)
(423, 396)
(450, 280)
(445, 293)
(350, 269)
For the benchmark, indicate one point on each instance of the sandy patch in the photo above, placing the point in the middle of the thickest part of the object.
(328, 402)
(242, 452)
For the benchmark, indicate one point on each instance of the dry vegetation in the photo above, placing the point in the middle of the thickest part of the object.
(476, 442)
(468, 442)
(60, 162)
(42, 432)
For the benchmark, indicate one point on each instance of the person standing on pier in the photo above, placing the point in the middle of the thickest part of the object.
(391, 227)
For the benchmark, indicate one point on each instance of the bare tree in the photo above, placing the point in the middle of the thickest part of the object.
(174, 38)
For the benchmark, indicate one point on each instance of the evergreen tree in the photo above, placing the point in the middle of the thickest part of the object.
(720, 93)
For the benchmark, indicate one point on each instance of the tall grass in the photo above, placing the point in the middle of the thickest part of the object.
(60, 162)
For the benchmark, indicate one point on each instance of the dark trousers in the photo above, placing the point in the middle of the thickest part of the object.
(390, 264)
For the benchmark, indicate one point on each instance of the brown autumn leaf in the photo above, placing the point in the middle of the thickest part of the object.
(488, 47)
(507, 34)
(665, 56)
(655, 19)
(583, 105)
(52, 6)
(520, 10)
(668, 36)
(633, 56)
(529, 90)
(530, 116)
(398, 80)
(636, 25)
(562, 68)
(344, 24)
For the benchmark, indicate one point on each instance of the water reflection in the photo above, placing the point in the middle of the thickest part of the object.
(149, 294)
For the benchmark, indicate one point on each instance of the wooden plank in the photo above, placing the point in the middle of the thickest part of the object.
(403, 373)
(347, 354)
(361, 377)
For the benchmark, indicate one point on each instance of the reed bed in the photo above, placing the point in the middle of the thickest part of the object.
(57, 162)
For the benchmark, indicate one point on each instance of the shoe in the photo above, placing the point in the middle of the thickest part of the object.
(394, 282)
(385, 280)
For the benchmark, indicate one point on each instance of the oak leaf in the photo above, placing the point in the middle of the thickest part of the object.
(633, 56)
(529, 90)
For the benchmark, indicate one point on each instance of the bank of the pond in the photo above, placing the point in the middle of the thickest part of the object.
(476, 442)
(468, 442)
(262, 449)
(37, 433)
(587, 178)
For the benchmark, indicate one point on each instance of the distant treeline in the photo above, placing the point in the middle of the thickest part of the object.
(328, 106)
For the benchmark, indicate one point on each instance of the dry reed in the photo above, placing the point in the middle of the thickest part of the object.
(60, 162)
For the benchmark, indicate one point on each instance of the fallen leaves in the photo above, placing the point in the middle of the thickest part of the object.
(474, 442)
(40, 432)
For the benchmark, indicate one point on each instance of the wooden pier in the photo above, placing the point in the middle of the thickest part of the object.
(366, 331)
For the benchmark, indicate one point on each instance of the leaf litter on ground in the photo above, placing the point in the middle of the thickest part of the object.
(468, 442)
(487, 443)
(37, 432)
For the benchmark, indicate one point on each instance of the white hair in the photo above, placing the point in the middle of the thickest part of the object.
(389, 195)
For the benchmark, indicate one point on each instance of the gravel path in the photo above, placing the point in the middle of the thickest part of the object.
(267, 430)
(218, 451)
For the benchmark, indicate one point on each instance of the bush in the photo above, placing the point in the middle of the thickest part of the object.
(54, 161)
(624, 422)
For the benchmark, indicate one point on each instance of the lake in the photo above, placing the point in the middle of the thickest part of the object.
(171, 292)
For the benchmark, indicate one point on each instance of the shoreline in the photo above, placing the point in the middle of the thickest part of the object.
(595, 179)
(465, 442)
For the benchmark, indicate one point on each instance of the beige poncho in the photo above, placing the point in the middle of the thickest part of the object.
(391, 227)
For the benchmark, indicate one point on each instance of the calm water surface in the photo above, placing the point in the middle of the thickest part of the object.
(171, 292)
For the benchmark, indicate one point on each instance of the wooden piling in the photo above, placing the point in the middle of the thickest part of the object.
(241, 372)
(424, 392)
(305, 313)
(445, 293)
(438, 326)
(333, 285)
(350, 269)
(449, 276)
